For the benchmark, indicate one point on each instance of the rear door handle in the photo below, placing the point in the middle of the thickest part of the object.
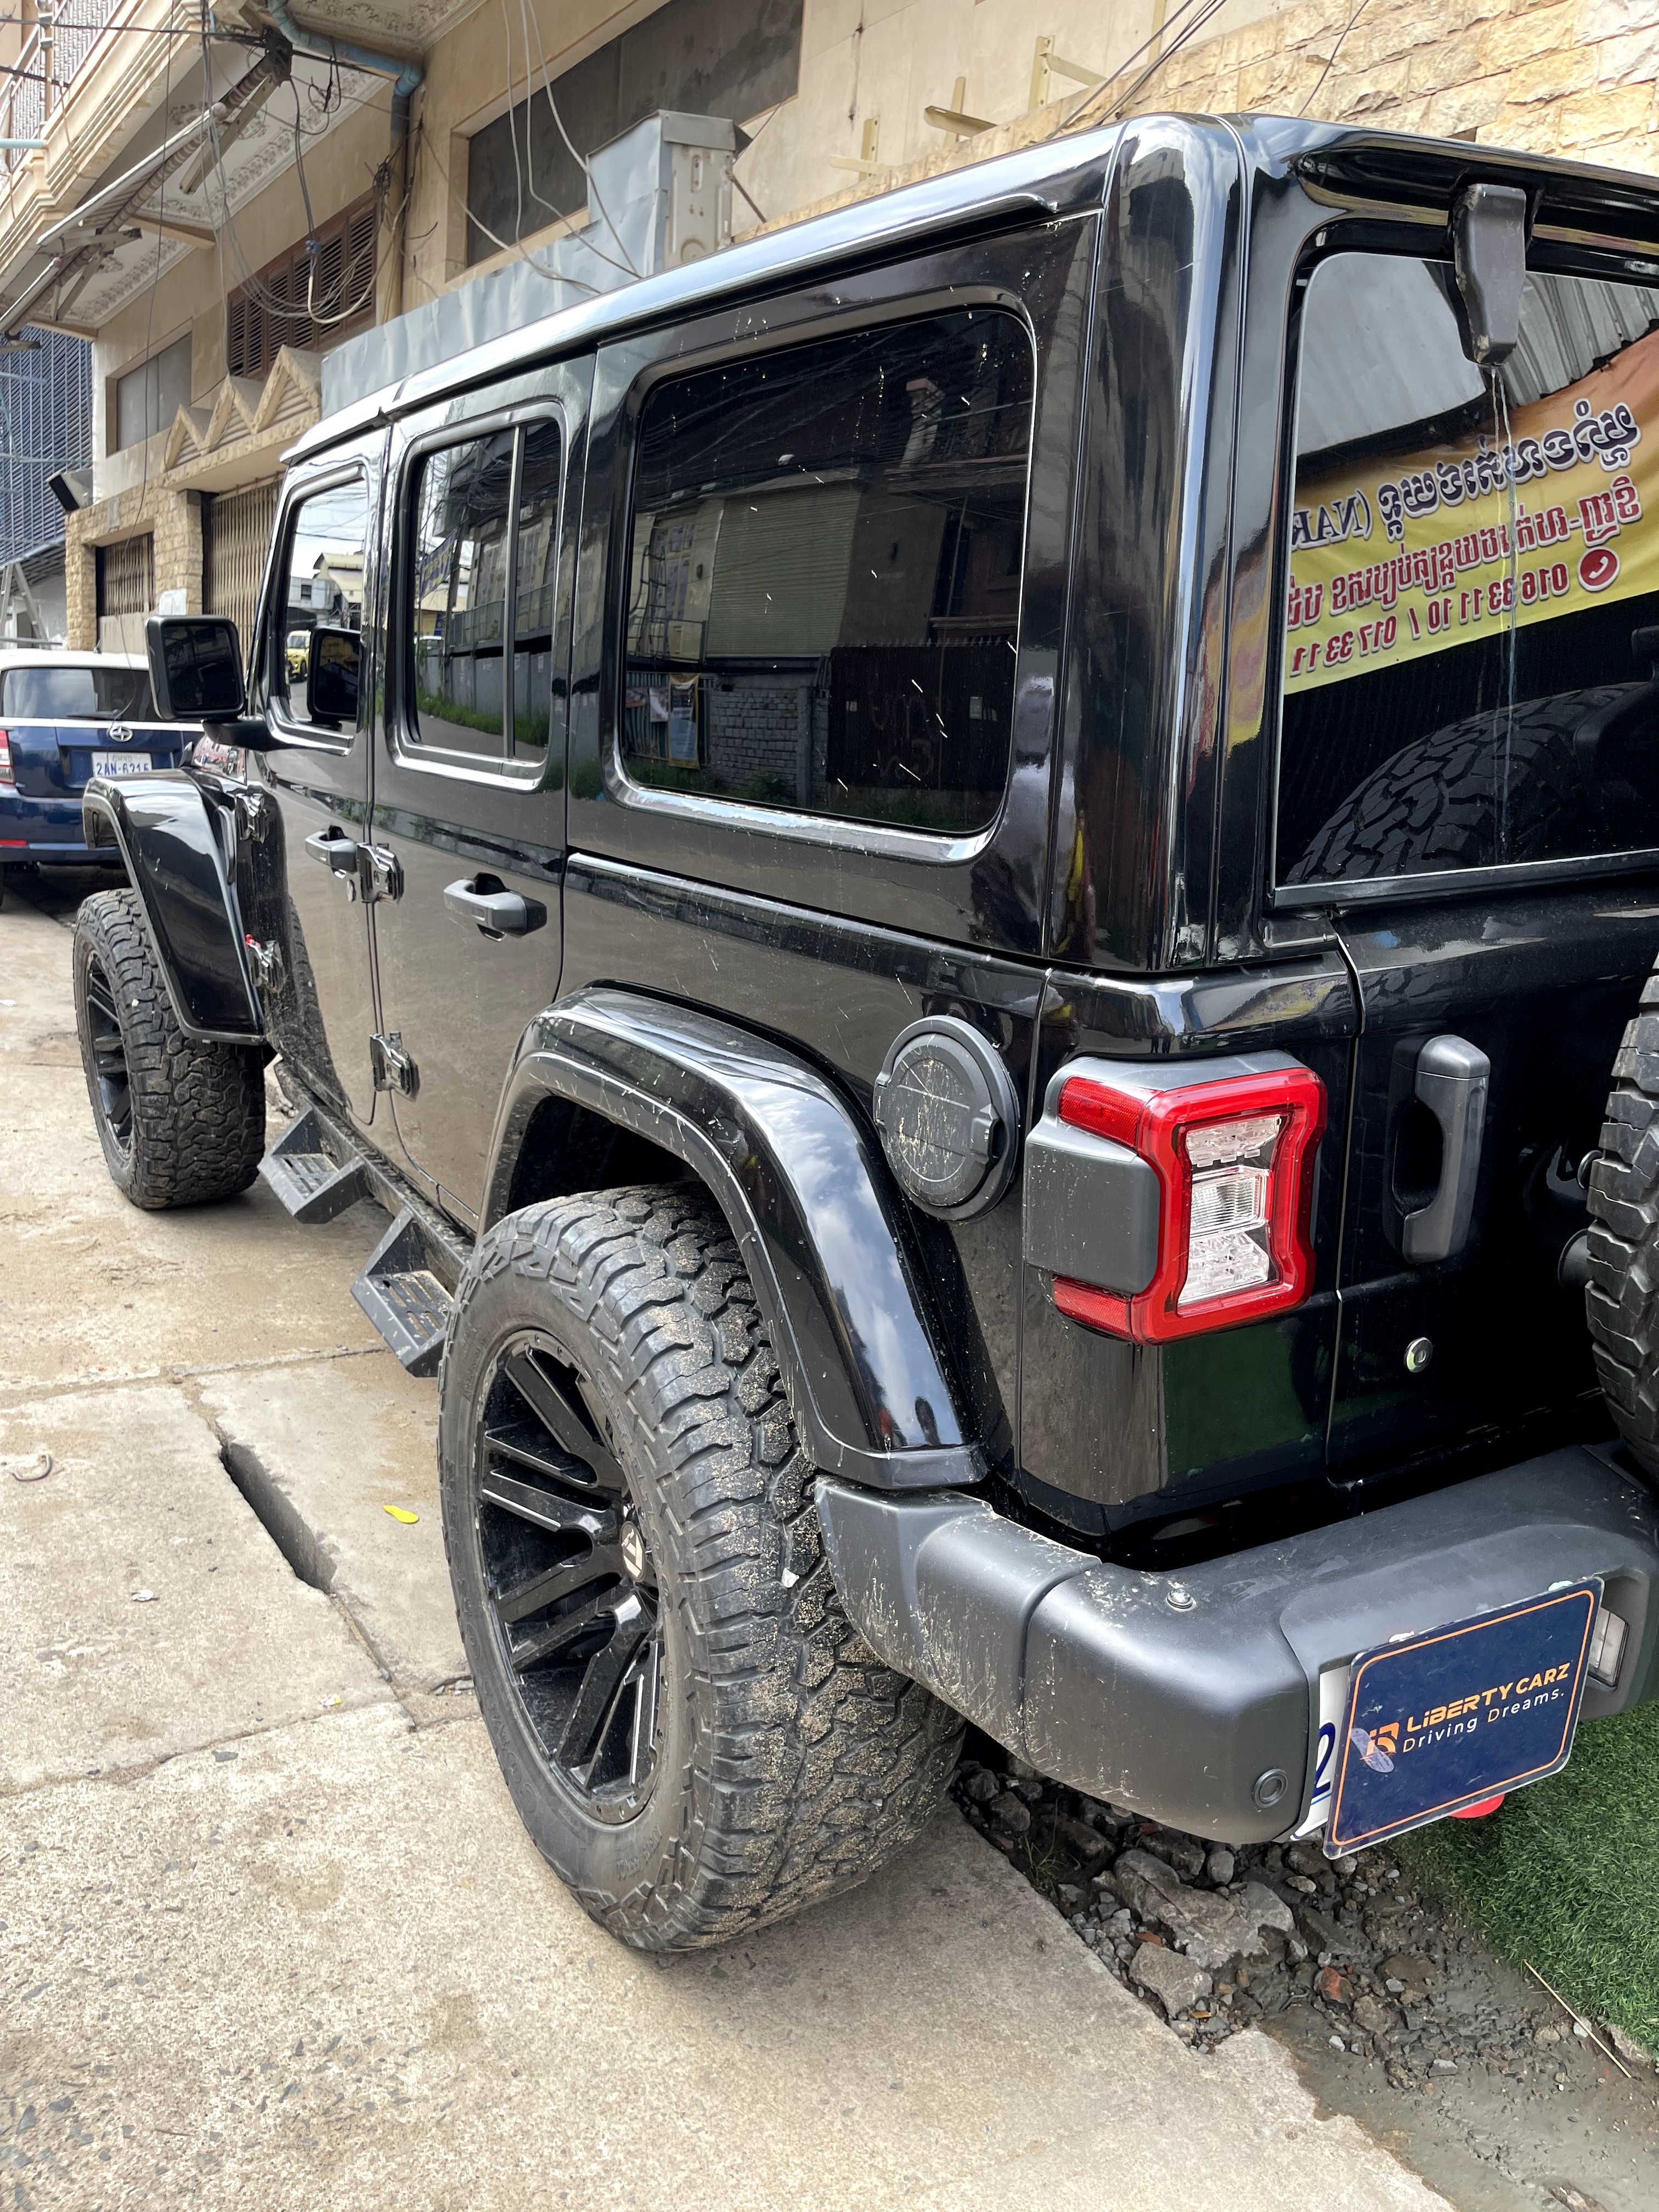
(497, 911)
(335, 850)
(1451, 1082)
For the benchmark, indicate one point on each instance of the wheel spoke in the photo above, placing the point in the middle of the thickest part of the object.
(558, 1581)
(109, 1052)
(569, 1427)
(602, 1685)
(555, 1636)
(546, 1509)
(647, 1675)
(100, 997)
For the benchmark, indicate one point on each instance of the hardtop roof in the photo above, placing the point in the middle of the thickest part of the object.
(1061, 176)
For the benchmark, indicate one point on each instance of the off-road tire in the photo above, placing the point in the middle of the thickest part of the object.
(1430, 806)
(1621, 1299)
(197, 1128)
(790, 1763)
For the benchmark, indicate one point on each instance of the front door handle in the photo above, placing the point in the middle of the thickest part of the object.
(335, 850)
(1451, 1082)
(497, 911)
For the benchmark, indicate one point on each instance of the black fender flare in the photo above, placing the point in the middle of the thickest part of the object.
(180, 855)
(806, 1194)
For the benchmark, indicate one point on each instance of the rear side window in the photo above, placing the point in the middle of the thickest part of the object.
(77, 694)
(824, 574)
(1471, 648)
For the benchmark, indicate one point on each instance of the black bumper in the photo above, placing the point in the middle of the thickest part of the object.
(1187, 1711)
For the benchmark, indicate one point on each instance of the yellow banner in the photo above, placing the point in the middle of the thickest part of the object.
(1416, 553)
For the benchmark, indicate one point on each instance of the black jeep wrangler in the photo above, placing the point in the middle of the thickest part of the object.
(973, 879)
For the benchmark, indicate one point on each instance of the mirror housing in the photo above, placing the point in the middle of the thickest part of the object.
(1489, 258)
(195, 668)
(334, 667)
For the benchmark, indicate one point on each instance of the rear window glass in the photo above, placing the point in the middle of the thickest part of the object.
(1471, 673)
(77, 694)
(825, 578)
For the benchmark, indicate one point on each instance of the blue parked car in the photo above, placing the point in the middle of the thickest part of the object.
(65, 717)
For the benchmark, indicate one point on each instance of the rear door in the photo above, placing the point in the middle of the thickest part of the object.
(68, 720)
(469, 800)
(1468, 787)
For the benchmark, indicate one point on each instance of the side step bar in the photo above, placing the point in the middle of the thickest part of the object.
(407, 1289)
(313, 1174)
(408, 1282)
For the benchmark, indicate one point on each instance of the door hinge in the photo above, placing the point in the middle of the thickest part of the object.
(381, 874)
(394, 1068)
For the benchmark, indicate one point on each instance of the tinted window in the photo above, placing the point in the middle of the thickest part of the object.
(1473, 581)
(78, 694)
(322, 585)
(536, 566)
(824, 574)
(462, 501)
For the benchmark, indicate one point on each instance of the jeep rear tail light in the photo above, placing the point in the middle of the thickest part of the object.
(1233, 1160)
(7, 772)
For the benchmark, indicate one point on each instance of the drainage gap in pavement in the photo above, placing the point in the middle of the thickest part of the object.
(275, 1513)
(1394, 2011)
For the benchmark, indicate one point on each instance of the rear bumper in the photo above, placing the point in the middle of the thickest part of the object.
(48, 830)
(1089, 1672)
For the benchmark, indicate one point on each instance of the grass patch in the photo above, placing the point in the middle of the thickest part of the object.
(1566, 1876)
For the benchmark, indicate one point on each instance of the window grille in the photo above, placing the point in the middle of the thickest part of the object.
(305, 301)
(236, 528)
(126, 576)
(46, 425)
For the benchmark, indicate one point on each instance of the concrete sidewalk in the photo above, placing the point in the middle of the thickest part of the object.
(270, 1933)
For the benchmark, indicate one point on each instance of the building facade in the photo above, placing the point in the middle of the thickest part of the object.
(214, 215)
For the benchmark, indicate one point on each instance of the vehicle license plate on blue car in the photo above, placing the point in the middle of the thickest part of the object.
(1442, 1721)
(120, 764)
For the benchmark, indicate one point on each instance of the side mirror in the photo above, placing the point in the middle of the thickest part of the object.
(195, 668)
(334, 667)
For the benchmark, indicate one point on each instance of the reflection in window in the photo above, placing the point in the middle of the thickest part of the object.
(323, 585)
(462, 504)
(536, 568)
(825, 575)
(1474, 577)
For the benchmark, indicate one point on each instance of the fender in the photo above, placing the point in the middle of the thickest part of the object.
(805, 1196)
(181, 857)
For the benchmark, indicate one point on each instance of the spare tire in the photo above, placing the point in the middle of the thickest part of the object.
(1433, 805)
(1621, 1299)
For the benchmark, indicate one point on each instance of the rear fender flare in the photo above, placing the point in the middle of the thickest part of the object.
(804, 1191)
(180, 855)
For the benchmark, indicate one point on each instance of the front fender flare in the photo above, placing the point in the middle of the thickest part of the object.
(807, 1197)
(183, 869)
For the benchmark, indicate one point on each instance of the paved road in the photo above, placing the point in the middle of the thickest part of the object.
(271, 1934)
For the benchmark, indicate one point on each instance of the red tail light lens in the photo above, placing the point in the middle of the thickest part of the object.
(1234, 1161)
(7, 775)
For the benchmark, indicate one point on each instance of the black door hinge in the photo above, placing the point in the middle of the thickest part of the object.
(394, 1069)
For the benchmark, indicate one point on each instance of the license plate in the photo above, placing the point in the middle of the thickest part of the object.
(120, 764)
(1439, 1722)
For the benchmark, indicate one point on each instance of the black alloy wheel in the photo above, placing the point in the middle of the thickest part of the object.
(108, 1050)
(568, 1573)
(694, 1734)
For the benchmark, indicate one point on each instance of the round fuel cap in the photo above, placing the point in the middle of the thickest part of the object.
(949, 1117)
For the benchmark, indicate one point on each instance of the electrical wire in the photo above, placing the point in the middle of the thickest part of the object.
(581, 159)
(1330, 62)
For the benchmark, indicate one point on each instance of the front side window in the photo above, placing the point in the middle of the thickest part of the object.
(482, 649)
(825, 562)
(1470, 648)
(321, 589)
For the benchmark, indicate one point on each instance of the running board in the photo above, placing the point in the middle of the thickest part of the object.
(406, 1290)
(313, 1174)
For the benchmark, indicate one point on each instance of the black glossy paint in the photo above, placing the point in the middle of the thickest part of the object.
(1119, 904)
(180, 855)
(803, 1188)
